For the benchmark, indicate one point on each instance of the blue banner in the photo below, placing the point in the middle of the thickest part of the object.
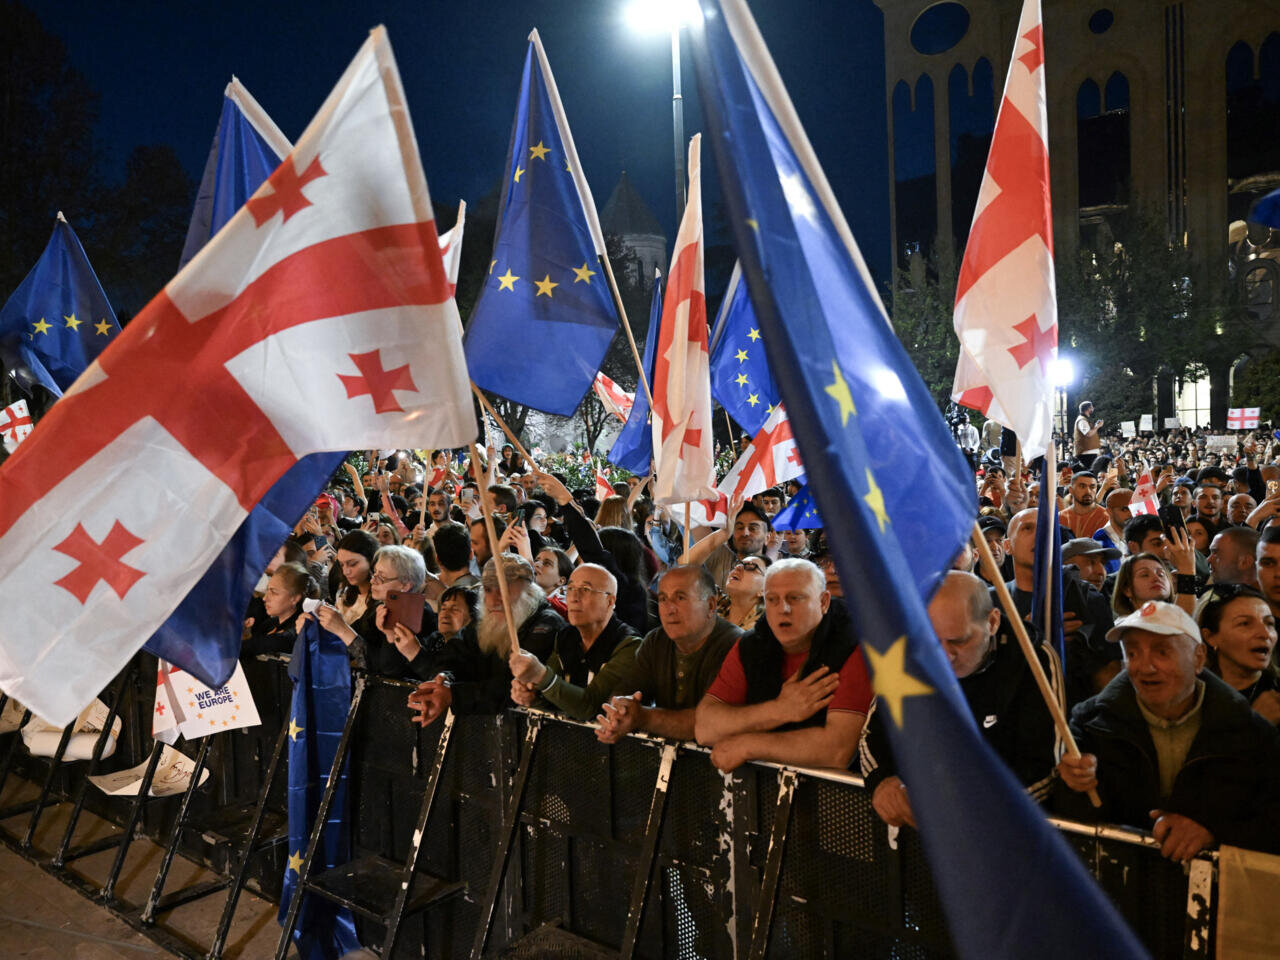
(740, 377)
(633, 450)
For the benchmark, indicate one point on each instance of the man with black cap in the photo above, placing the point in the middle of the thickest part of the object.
(994, 529)
(1090, 558)
(1180, 495)
(1086, 439)
(1171, 747)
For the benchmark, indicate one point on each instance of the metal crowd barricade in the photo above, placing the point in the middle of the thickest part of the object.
(537, 836)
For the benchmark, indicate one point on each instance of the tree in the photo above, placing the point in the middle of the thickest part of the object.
(1258, 385)
(923, 301)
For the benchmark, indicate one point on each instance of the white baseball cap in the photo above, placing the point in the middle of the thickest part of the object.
(1157, 617)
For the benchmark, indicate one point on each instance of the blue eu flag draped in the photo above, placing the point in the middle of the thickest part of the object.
(545, 293)
(899, 501)
(58, 320)
(203, 634)
(321, 674)
(800, 514)
(740, 377)
(633, 450)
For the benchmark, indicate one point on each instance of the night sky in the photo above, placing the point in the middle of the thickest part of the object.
(161, 67)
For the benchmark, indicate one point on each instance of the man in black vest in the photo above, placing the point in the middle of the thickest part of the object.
(793, 690)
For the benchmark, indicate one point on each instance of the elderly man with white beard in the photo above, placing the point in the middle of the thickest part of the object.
(474, 673)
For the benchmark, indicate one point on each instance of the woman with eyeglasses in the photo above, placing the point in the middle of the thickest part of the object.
(742, 602)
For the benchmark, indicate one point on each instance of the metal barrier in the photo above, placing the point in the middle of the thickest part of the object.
(564, 844)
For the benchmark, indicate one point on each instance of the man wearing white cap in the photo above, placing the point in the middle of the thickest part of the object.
(1170, 748)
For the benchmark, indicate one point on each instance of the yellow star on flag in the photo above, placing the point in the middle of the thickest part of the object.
(753, 224)
(103, 327)
(539, 151)
(583, 273)
(508, 281)
(545, 286)
(753, 400)
(769, 409)
(890, 677)
(295, 862)
(875, 500)
(741, 380)
(72, 322)
(42, 326)
(492, 264)
(838, 390)
(519, 170)
(754, 334)
(740, 356)
(294, 729)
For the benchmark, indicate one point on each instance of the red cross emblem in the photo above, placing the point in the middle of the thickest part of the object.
(99, 561)
(160, 709)
(1037, 344)
(1033, 59)
(760, 454)
(794, 457)
(287, 195)
(376, 382)
(12, 421)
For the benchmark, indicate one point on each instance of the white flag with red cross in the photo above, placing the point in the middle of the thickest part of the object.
(1006, 312)
(683, 454)
(603, 488)
(15, 424)
(319, 318)
(616, 400)
(771, 459)
(707, 513)
(1145, 500)
(185, 706)
(451, 247)
(1243, 418)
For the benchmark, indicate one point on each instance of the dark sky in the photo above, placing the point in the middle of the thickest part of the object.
(161, 68)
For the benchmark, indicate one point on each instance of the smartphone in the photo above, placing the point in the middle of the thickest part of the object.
(405, 608)
(320, 541)
(468, 495)
(1171, 518)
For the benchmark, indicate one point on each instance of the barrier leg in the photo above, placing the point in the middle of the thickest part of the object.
(649, 853)
(247, 851)
(507, 840)
(322, 813)
(135, 813)
(773, 866)
(41, 803)
(157, 888)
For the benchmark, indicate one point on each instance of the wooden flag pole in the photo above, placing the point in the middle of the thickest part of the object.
(1028, 650)
(484, 402)
(493, 549)
(687, 506)
(626, 325)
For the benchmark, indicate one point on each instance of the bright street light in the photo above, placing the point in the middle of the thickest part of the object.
(1062, 372)
(661, 16)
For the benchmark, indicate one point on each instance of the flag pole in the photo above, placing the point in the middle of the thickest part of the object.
(484, 402)
(626, 325)
(687, 506)
(493, 548)
(1052, 596)
(1028, 651)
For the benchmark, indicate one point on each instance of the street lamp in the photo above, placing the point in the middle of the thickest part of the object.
(661, 16)
(1062, 374)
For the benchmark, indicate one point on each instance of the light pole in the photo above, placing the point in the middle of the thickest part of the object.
(1062, 374)
(652, 16)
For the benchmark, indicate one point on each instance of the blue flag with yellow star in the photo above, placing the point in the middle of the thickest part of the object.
(633, 450)
(801, 513)
(545, 295)
(898, 500)
(58, 317)
(203, 634)
(321, 674)
(740, 377)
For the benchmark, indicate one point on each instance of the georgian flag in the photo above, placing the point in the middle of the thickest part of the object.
(1006, 312)
(771, 459)
(1243, 418)
(616, 400)
(603, 489)
(319, 318)
(1144, 496)
(15, 424)
(451, 247)
(681, 417)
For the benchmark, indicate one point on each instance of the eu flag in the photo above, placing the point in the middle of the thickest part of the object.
(633, 450)
(545, 294)
(900, 501)
(321, 673)
(1048, 554)
(800, 514)
(59, 317)
(203, 634)
(740, 377)
(246, 149)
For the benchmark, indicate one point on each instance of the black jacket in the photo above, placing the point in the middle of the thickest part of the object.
(1006, 704)
(632, 605)
(762, 657)
(481, 681)
(1229, 783)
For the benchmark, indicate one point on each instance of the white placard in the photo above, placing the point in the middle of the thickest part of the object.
(173, 774)
(1147, 425)
(185, 706)
(1220, 444)
(1172, 423)
(1128, 428)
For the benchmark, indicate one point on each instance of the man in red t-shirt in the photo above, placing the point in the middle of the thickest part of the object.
(796, 688)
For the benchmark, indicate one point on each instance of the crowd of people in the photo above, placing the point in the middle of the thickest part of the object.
(739, 638)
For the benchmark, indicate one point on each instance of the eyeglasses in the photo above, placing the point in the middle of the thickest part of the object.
(574, 589)
(748, 565)
(379, 578)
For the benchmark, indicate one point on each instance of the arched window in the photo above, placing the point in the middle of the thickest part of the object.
(1102, 139)
(973, 119)
(915, 172)
(1253, 117)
